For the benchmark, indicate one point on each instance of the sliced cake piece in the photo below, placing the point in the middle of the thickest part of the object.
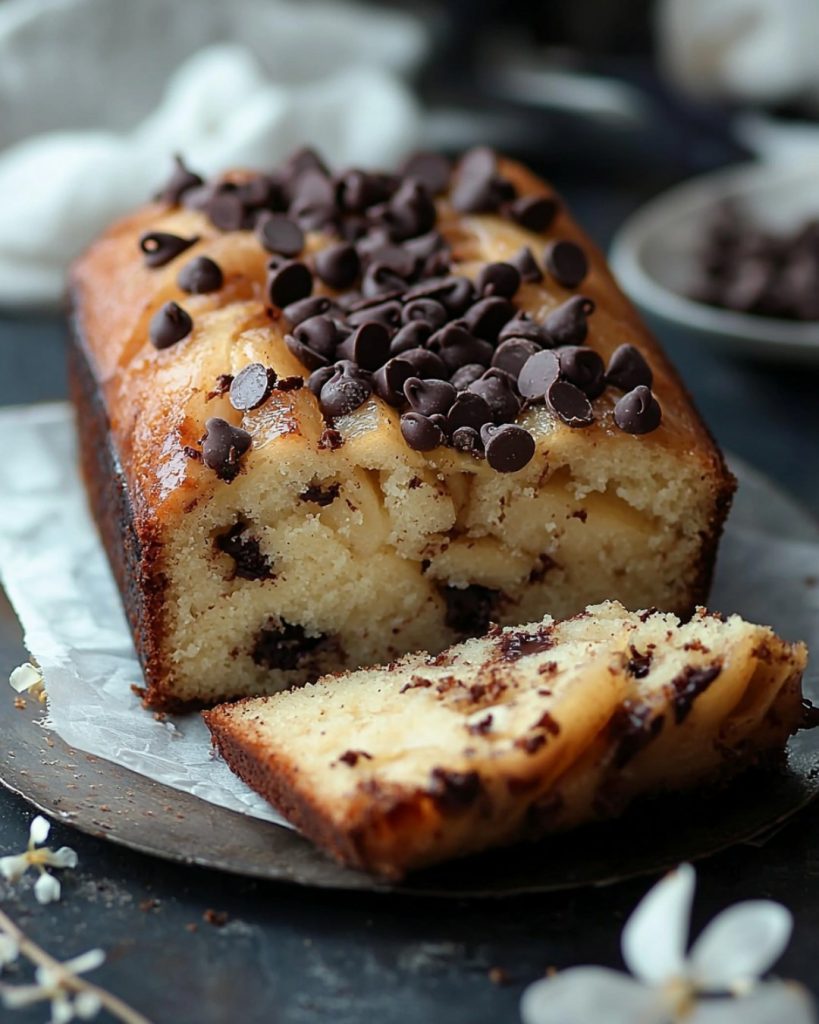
(525, 731)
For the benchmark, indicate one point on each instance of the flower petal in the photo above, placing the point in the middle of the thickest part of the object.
(655, 936)
(583, 994)
(39, 829)
(17, 996)
(85, 962)
(47, 888)
(772, 1001)
(13, 868)
(24, 677)
(87, 1005)
(9, 950)
(740, 944)
(65, 857)
(62, 1010)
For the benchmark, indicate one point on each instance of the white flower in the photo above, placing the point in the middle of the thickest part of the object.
(47, 887)
(9, 950)
(57, 985)
(27, 678)
(717, 982)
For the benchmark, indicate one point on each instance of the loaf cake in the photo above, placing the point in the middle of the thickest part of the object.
(529, 730)
(327, 419)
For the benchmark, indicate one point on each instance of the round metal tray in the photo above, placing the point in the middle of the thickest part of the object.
(110, 801)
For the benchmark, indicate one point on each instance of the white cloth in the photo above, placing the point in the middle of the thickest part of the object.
(96, 95)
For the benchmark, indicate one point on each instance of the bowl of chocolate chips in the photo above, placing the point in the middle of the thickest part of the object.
(731, 257)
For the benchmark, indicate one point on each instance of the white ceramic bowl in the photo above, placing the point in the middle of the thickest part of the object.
(655, 258)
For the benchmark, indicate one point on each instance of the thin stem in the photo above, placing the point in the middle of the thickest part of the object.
(113, 1004)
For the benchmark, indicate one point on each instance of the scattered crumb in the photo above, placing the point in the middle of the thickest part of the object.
(499, 976)
(147, 905)
(20, 703)
(191, 926)
(218, 918)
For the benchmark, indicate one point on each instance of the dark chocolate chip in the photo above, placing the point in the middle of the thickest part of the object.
(200, 276)
(508, 447)
(511, 354)
(477, 187)
(456, 293)
(359, 190)
(337, 265)
(638, 411)
(379, 279)
(318, 333)
(321, 496)
(497, 389)
(226, 209)
(294, 383)
(486, 318)
(570, 404)
(420, 433)
(521, 326)
(181, 180)
(314, 199)
(429, 311)
(388, 380)
(457, 347)
(280, 235)
(306, 355)
(281, 645)
(318, 378)
(160, 247)
(169, 325)
(369, 346)
(454, 791)
(567, 263)
(468, 410)
(584, 368)
(386, 313)
(251, 386)
(567, 324)
(467, 439)
(429, 396)
(432, 169)
(223, 447)
(526, 265)
(469, 609)
(688, 685)
(465, 375)
(305, 309)
(411, 211)
(535, 213)
(249, 562)
(411, 335)
(425, 364)
(289, 282)
(628, 369)
(343, 393)
(538, 374)
(498, 279)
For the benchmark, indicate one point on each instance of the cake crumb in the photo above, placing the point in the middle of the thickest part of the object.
(218, 918)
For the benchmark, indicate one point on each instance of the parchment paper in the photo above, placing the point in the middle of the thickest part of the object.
(56, 575)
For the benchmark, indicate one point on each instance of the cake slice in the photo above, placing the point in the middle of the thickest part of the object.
(327, 419)
(525, 731)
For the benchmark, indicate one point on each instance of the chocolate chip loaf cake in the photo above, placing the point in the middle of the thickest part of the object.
(327, 419)
(527, 731)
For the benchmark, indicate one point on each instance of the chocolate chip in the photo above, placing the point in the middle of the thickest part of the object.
(200, 276)
(319, 333)
(160, 247)
(456, 293)
(388, 380)
(358, 190)
(584, 368)
(223, 446)
(457, 346)
(337, 265)
(321, 496)
(411, 335)
(387, 313)
(521, 326)
(331, 440)
(425, 364)
(477, 187)
(511, 355)
(567, 324)
(279, 234)
(379, 279)
(468, 410)
(498, 279)
(282, 645)
(169, 325)
(689, 684)
(318, 378)
(429, 396)
(307, 356)
(427, 310)
(431, 169)
(638, 411)
(304, 309)
(249, 562)
(411, 211)
(469, 609)
(257, 191)
(569, 403)
(226, 209)
(344, 392)
(526, 265)
(508, 447)
(251, 386)
(486, 318)
(420, 433)
(293, 383)
(181, 180)
(467, 439)
(289, 282)
(567, 263)
(497, 389)
(538, 374)
(465, 375)
(535, 213)
(314, 199)
(369, 346)
(454, 791)
(628, 369)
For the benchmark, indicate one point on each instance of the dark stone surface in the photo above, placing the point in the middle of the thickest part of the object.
(292, 956)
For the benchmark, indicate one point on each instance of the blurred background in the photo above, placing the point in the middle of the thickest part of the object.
(616, 103)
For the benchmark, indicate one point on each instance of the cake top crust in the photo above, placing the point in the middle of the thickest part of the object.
(457, 308)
